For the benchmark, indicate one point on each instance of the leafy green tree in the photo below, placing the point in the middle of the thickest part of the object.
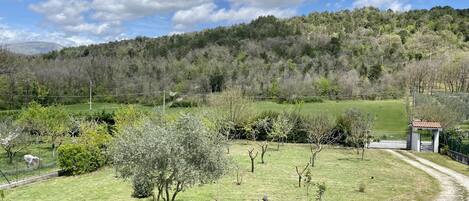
(52, 122)
(172, 156)
(281, 126)
(127, 116)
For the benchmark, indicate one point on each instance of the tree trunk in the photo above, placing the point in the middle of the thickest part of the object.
(10, 156)
(299, 181)
(363, 151)
(278, 145)
(252, 165)
(53, 150)
(313, 158)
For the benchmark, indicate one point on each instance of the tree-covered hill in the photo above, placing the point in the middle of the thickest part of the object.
(364, 53)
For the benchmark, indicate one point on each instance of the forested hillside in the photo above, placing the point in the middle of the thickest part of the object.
(364, 53)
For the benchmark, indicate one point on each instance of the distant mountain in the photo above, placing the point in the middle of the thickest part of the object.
(32, 48)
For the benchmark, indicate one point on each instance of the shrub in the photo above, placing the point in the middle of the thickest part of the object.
(102, 117)
(142, 186)
(295, 100)
(75, 159)
(184, 103)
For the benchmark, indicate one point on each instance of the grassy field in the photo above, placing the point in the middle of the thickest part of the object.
(445, 161)
(385, 177)
(18, 169)
(391, 119)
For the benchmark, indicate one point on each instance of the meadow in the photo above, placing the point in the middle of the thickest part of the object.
(390, 116)
(384, 177)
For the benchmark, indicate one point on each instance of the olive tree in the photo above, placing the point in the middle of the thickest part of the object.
(12, 139)
(169, 157)
(320, 132)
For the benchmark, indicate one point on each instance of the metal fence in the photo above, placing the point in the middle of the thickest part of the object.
(458, 145)
(18, 169)
(459, 157)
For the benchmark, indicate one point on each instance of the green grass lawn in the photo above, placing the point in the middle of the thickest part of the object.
(340, 169)
(444, 161)
(18, 169)
(391, 118)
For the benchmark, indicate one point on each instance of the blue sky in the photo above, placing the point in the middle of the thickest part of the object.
(79, 22)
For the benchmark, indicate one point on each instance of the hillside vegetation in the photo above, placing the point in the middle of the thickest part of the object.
(364, 53)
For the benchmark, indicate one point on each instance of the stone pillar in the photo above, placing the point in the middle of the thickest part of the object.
(436, 140)
(415, 146)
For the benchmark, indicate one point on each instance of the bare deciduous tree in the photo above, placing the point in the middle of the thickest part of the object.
(300, 174)
(252, 156)
(320, 129)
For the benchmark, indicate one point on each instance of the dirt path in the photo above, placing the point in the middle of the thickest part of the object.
(453, 186)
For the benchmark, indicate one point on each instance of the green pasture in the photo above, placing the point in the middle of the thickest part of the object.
(384, 176)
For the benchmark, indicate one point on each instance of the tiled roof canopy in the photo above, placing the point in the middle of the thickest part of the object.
(425, 124)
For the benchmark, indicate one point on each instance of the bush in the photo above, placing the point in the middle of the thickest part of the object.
(75, 159)
(295, 100)
(142, 186)
(297, 134)
(184, 103)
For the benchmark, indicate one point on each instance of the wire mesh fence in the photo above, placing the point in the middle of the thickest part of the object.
(18, 168)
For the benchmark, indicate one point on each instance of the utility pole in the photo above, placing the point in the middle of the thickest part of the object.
(90, 94)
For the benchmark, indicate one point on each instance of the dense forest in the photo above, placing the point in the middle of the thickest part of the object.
(365, 53)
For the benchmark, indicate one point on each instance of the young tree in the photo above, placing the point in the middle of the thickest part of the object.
(320, 129)
(359, 129)
(12, 139)
(254, 129)
(171, 156)
(252, 156)
(281, 126)
(301, 173)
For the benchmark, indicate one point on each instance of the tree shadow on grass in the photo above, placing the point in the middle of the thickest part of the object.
(353, 159)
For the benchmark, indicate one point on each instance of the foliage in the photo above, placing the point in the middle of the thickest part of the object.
(75, 159)
(53, 122)
(142, 186)
(362, 53)
(173, 156)
(90, 151)
(127, 116)
(281, 127)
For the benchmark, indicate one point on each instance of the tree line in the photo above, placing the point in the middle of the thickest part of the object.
(364, 53)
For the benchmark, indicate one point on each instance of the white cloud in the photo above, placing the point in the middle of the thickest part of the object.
(13, 35)
(104, 19)
(396, 5)
(186, 19)
(266, 3)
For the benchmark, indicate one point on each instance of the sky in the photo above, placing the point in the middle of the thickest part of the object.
(83, 22)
